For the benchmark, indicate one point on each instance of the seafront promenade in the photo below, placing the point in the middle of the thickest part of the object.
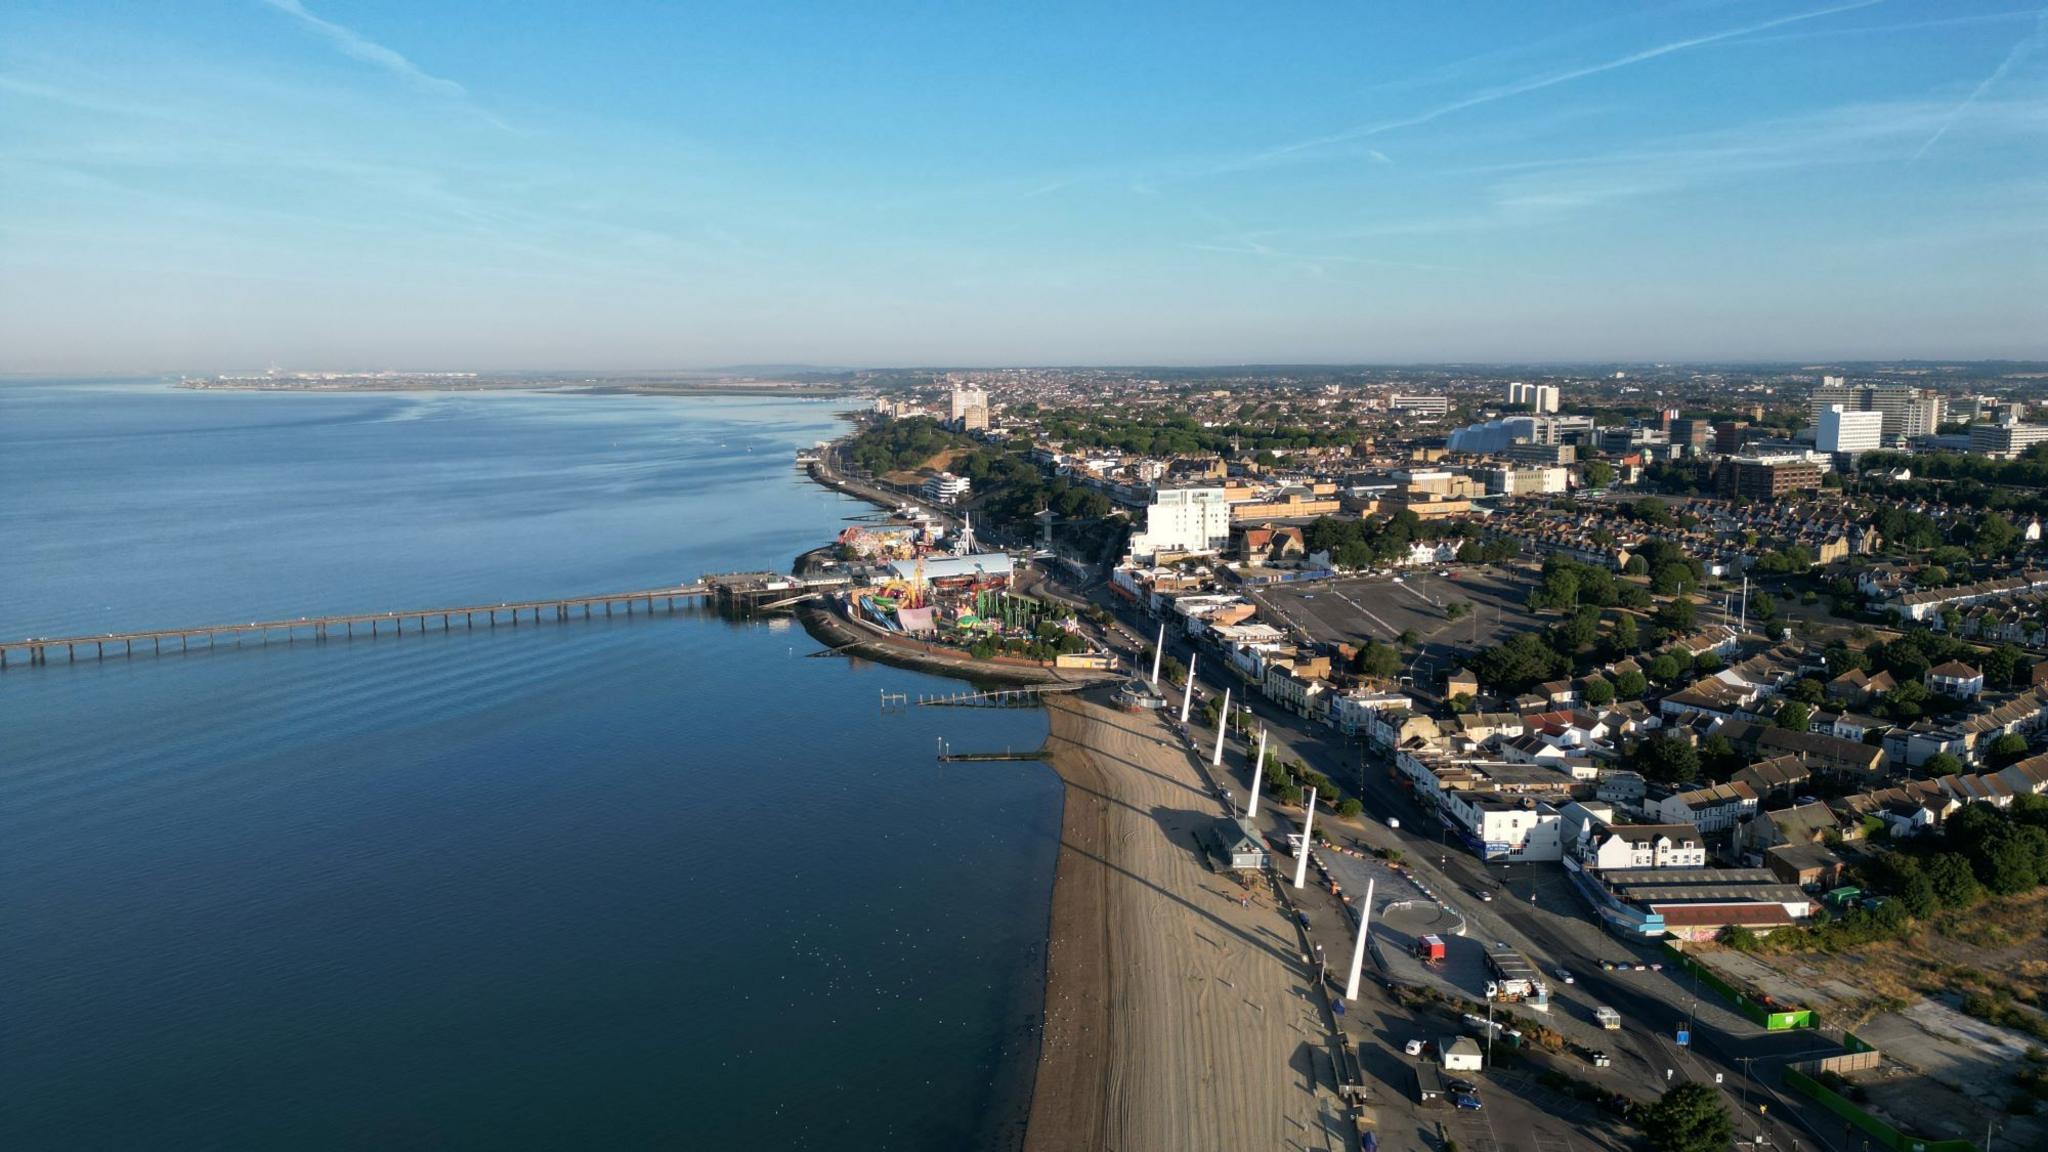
(1177, 1015)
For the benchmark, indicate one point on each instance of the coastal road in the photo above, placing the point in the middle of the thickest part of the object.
(1178, 1007)
(1555, 931)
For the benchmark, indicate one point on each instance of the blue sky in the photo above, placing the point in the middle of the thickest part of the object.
(218, 184)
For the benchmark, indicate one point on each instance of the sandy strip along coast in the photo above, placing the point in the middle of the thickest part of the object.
(1176, 1017)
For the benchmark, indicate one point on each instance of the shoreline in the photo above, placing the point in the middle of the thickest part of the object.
(1068, 1104)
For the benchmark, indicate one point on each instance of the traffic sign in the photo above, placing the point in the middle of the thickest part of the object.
(1684, 1037)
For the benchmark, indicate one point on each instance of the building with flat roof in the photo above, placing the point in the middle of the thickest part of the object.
(1907, 411)
(1755, 479)
(2006, 439)
(1184, 518)
(1848, 433)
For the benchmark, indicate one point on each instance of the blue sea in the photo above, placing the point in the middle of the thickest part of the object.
(664, 882)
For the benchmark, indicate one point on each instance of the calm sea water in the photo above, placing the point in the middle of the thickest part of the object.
(618, 884)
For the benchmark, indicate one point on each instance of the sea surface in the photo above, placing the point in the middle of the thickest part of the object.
(662, 882)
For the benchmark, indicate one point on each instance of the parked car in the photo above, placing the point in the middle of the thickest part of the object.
(1565, 975)
(1465, 1086)
(1599, 1059)
(1483, 894)
(1412, 1048)
(1467, 1103)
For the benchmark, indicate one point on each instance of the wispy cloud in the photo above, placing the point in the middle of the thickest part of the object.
(356, 46)
(2018, 52)
(1533, 84)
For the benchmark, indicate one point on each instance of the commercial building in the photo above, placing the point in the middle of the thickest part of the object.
(1420, 405)
(1907, 411)
(1525, 481)
(1184, 518)
(2006, 439)
(1848, 433)
(1548, 455)
(1692, 434)
(1755, 479)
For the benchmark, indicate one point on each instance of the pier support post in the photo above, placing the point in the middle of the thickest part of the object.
(1222, 726)
(1358, 951)
(1187, 692)
(1158, 654)
(1308, 822)
(1251, 807)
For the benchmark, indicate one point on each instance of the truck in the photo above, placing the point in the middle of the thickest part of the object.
(1514, 978)
(1608, 1018)
(1430, 949)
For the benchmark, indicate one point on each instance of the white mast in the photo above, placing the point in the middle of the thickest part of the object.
(1158, 654)
(1187, 692)
(1222, 726)
(1743, 627)
(1358, 952)
(1251, 808)
(1301, 857)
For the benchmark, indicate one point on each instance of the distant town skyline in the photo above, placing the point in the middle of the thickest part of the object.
(360, 184)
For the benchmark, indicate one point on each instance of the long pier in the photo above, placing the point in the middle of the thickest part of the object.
(751, 590)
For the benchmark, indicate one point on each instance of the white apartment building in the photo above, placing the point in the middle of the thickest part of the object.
(1500, 827)
(1184, 518)
(1527, 481)
(946, 488)
(1907, 411)
(970, 408)
(1849, 432)
(1539, 397)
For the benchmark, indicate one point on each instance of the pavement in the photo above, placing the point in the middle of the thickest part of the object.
(1554, 931)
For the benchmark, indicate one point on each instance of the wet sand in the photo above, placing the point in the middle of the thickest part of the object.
(1175, 1017)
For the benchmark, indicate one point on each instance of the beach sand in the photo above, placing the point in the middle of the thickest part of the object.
(1176, 1018)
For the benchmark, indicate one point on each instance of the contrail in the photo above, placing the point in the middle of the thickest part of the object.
(2026, 44)
(1537, 83)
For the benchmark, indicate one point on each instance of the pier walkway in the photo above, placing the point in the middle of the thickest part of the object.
(746, 590)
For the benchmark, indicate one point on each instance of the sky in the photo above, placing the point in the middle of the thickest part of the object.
(224, 185)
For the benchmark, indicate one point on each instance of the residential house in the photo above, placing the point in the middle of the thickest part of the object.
(1955, 679)
(1714, 808)
(1609, 847)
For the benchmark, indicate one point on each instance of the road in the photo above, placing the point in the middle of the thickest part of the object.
(1554, 931)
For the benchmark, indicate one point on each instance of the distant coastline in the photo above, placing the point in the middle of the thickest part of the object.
(474, 382)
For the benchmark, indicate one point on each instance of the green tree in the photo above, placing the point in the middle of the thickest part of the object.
(1690, 1118)
(1666, 760)
(1941, 764)
(1350, 808)
(1597, 473)
(1677, 615)
(1599, 692)
(1630, 685)
(1794, 715)
(1625, 639)
(1636, 566)
(1955, 885)
(1378, 660)
(2007, 749)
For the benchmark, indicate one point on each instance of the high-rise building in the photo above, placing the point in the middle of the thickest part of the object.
(1539, 397)
(1691, 433)
(1848, 433)
(1184, 518)
(970, 408)
(1907, 411)
(1728, 437)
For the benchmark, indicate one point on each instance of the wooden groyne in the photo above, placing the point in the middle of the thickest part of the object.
(756, 591)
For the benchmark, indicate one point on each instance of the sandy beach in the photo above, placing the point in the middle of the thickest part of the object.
(1176, 1017)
